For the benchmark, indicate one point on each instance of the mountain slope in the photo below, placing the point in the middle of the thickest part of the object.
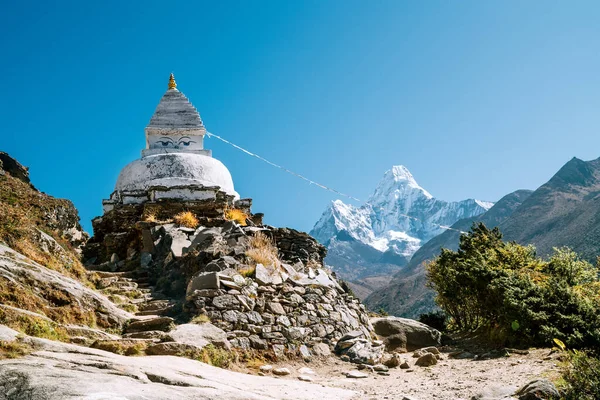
(407, 295)
(379, 237)
(565, 211)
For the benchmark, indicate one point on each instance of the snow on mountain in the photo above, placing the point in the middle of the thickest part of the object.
(385, 232)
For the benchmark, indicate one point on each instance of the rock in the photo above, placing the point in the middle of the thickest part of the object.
(281, 371)
(402, 334)
(179, 242)
(351, 335)
(258, 343)
(203, 280)
(263, 275)
(364, 353)
(305, 378)
(266, 368)
(495, 392)
(200, 335)
(304, 352)
(170, 349)
(392, 360)
(380, 368)
(225, 301)
(538, 389)
(25, 273)
(426, 360)
(153, 324)
(321, 350)
(56, 371)
(356, 375)
(276, 308)
(404, 365)
(7, 334)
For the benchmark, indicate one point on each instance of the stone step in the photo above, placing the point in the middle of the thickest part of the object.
(164, 324)
(155, 305)
(158, 312)
(154, 335)
(109, 274)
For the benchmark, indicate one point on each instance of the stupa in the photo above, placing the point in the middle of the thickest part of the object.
(174, 165)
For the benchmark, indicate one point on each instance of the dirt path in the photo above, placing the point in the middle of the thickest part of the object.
(450, 379)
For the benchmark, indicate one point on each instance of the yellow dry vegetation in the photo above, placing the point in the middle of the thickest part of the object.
(187, 219)
(237, 215)
(262, 250)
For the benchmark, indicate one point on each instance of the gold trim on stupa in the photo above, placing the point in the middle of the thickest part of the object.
(172, 83)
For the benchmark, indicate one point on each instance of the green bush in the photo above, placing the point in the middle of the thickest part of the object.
(506, 291)
(437, 320)
(581, 377)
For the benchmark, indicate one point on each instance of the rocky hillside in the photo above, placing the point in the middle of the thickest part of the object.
(407, 294)
(376, 240)
(562, 212)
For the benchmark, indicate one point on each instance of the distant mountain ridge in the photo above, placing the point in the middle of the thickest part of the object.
(377, 238)
(565, 211)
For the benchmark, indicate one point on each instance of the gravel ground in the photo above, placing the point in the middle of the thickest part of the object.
(450, 379)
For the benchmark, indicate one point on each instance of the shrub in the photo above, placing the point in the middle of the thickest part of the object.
(187, 219)
(437, 320)
(200, 319)
(581, 377)
(503, 289)
(237, 215)
(262, 250)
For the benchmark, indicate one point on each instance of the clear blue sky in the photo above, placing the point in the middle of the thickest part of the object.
(476, 98)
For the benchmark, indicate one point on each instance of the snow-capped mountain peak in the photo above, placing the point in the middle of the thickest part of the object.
(399, 217)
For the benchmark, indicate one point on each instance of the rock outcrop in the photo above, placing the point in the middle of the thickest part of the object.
(402, 334)
(57, 370)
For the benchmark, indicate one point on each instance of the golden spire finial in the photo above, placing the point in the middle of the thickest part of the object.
(172, 83)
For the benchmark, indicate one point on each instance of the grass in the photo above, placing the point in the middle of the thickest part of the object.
(122, 347)
(237, 215)
(33, 326)
(14, 349)
(262, 250)
(187, 219)
(200, 319)
(247, 271)
(217, 356)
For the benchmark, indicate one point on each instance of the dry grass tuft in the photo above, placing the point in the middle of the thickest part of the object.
(122, 347)
(237, 215)
(187, 219)
(32, 326)
(200, 319)
(247, 270)
(262, 250)
(14, 349)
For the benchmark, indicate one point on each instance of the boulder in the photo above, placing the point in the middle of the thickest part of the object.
(402, 334)
(179, 242)
(426, 360)
(203, 280)
(199, 335)
(57, 371)
(537, 390)
(152, 324)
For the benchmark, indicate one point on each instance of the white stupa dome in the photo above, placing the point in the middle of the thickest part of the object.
(175, 170)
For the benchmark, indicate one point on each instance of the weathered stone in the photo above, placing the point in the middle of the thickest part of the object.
(356, 375)
(154, 324)
(426, 360)
(538, 389)
(257, 343)
(225, 301)
(199, 335)
(304, 352)
(305, 378)
(321, 350)
(262, 275)
(402, 334)
(179, 242)
(203, 280)
(276, 308)
(254, 317)
(170, 349)
(266, 368)
(281, 371)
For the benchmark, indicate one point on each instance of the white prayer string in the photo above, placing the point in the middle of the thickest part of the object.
(311, 182)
